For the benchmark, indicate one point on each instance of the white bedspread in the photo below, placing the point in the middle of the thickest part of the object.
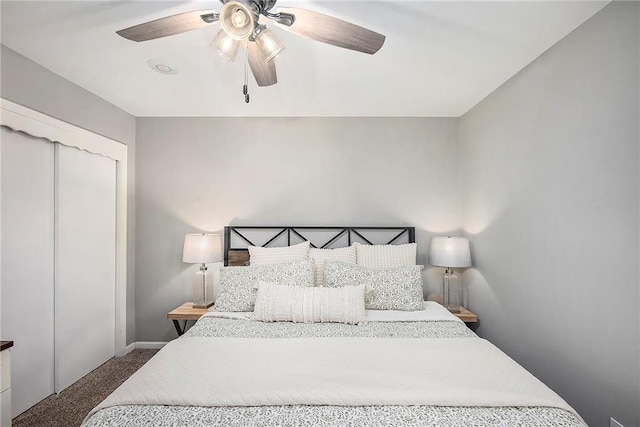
(333, 371)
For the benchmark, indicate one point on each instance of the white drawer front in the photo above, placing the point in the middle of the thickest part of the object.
(5, 370)
(5, 408)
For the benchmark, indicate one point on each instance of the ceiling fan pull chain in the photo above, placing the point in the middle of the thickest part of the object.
(245, 87)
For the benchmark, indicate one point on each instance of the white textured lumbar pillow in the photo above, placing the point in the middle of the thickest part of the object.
(261, 256)
(282, 303)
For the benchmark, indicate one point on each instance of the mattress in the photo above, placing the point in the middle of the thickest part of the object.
(414, 334)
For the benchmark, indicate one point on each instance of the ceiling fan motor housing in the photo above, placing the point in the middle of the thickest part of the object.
(262, 5)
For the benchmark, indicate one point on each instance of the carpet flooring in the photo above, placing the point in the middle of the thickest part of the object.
(68, 408)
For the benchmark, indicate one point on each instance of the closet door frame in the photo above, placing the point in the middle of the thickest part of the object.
(31, 122)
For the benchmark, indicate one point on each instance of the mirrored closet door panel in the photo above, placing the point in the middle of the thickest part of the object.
(85, 263)
(27, 309)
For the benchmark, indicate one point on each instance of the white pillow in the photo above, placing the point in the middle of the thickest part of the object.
(320, 256)
(386, 256)
(277, 303)
(261, 256)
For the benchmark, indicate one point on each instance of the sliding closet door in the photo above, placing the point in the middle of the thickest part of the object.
(28, 264)
(85, 263)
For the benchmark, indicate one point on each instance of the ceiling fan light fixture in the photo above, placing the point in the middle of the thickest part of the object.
(226, 45)
(238, 19)
(240, 23)
(269, 44)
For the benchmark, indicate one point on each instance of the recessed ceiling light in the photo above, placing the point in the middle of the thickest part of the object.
(164, 68)
(161, 67)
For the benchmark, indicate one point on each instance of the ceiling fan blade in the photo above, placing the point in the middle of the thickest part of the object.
(263, 71)
(334, 31)
(170, 25)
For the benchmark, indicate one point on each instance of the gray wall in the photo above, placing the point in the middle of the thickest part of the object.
(198, 174)
(27, 83)
(549, 191)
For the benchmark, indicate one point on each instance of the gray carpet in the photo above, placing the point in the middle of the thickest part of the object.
(69, 408)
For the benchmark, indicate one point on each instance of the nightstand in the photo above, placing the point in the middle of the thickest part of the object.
(466, 316)
(185, 312)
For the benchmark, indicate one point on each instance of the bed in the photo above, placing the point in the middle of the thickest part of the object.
(304, 356)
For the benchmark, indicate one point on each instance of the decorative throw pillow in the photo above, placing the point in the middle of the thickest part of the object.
(397, 288)
(279, 303)
(237, 284)
(261, 256)
(320, 256)
(386, 256)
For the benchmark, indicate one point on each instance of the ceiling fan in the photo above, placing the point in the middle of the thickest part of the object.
(239, 21)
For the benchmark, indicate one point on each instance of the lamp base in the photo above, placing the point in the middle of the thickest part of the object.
(452, 291)
(202, 304)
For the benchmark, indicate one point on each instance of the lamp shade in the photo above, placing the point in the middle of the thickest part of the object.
(226, 45)
(269, 44)
(450, 252)
(202, 248)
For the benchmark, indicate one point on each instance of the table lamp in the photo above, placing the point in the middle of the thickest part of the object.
(450, 252)
(202, 249)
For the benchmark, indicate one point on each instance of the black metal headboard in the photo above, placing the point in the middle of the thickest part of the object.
(238, 238)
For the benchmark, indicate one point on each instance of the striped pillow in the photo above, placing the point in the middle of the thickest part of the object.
(280, 303)
(261, 256)
(386, 256)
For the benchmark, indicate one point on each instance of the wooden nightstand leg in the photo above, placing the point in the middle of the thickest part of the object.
(180, 330)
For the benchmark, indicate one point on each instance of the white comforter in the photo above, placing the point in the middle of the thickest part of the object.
(333, 371)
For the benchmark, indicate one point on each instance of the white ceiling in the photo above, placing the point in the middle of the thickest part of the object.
(439, 58)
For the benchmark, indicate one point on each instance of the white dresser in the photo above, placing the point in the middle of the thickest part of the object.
(5, 383)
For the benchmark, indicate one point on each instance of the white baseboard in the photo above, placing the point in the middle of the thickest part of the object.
(149, 344)
(128, 349)
(142, 344)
